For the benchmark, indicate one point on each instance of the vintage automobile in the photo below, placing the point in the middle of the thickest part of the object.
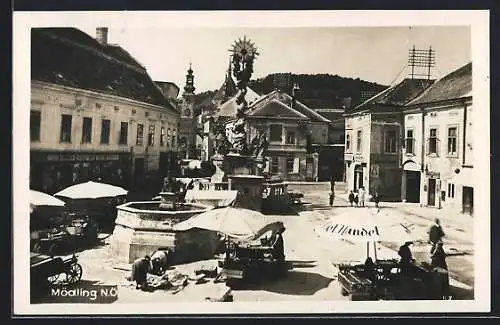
(385, 281)
(69, 232)
(275, 197)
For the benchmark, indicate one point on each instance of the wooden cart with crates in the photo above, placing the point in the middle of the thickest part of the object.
(387, 282)
(47, 271)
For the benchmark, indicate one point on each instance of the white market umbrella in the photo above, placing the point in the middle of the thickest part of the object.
(366, 228)
(91, 190)
(44, 199)
(238, 223)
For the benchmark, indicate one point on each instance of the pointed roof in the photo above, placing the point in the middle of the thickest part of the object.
(228, 88)
(457, 84)
(229, 107)
(397, 95)
(287, 100)
(275, 108)
(57, 55)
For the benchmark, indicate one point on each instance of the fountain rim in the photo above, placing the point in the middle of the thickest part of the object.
(126, 207)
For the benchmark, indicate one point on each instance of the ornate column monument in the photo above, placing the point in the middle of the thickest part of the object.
(238, 160)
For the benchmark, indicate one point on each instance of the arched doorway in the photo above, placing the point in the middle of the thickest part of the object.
(412, 176)
(358, 177)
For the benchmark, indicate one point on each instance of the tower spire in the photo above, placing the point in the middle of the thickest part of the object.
(189, 87)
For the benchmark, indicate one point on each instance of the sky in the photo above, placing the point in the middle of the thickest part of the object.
(376, 54)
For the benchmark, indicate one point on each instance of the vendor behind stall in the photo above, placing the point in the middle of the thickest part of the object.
(278, 245)
(140, 269)
(406, 260)
(438, 257)
(159, 261)
(370, 269)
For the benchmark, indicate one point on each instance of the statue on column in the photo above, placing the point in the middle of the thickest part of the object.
(244, 53)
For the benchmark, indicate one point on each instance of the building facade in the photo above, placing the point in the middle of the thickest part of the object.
(437, 157)
(292, 130)
(373, 133)
(105, 119)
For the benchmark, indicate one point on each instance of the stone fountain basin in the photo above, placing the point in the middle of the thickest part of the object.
(141, 228)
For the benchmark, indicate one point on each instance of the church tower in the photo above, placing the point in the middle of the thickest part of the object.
(188, 127)
(227, 90)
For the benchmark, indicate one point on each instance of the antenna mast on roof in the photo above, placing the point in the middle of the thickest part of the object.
(421, 59)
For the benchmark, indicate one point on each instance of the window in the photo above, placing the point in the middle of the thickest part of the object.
(390, 141)
(452, 141)
(168, 137)
(87, 130)
(105, 131)
(451, 190)
(174, 133)
(123, 133)
(348, 142)
(35, 119)
(432, 141)
(358, 141)
(275, 131)
(151, 135)
(290, 137)
(274, 165)
(66, 128)
(140, 134)
(289, 165)
(162, 136)
(410, 142)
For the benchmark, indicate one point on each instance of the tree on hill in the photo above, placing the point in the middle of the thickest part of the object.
(316, 91)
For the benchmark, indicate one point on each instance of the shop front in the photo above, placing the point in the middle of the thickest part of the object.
(432, 189)
(51, 172)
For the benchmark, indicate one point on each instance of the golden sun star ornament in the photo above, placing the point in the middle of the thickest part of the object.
(244, 48)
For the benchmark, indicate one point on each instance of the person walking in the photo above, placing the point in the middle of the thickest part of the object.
(332, 198)
(351, 197)
(438, 257)
(332, 184)
(356, 200)
(438, 260)
(436, 234)
(376, 199)
(361, 193)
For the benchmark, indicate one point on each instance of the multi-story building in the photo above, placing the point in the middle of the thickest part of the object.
(95, 113)
(292, 130)
(373, 133)
(437, 157)
(331, 154)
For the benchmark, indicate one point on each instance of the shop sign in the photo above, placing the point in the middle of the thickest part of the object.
(375, 171)
(66, 157)
(53, 157)
(85, 157)
(433, 174)
(100, 157)
(358, 158)
(348, 156)
(113, 157)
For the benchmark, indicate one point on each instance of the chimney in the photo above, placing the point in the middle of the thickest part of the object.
(102, 35)
(295, 93)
